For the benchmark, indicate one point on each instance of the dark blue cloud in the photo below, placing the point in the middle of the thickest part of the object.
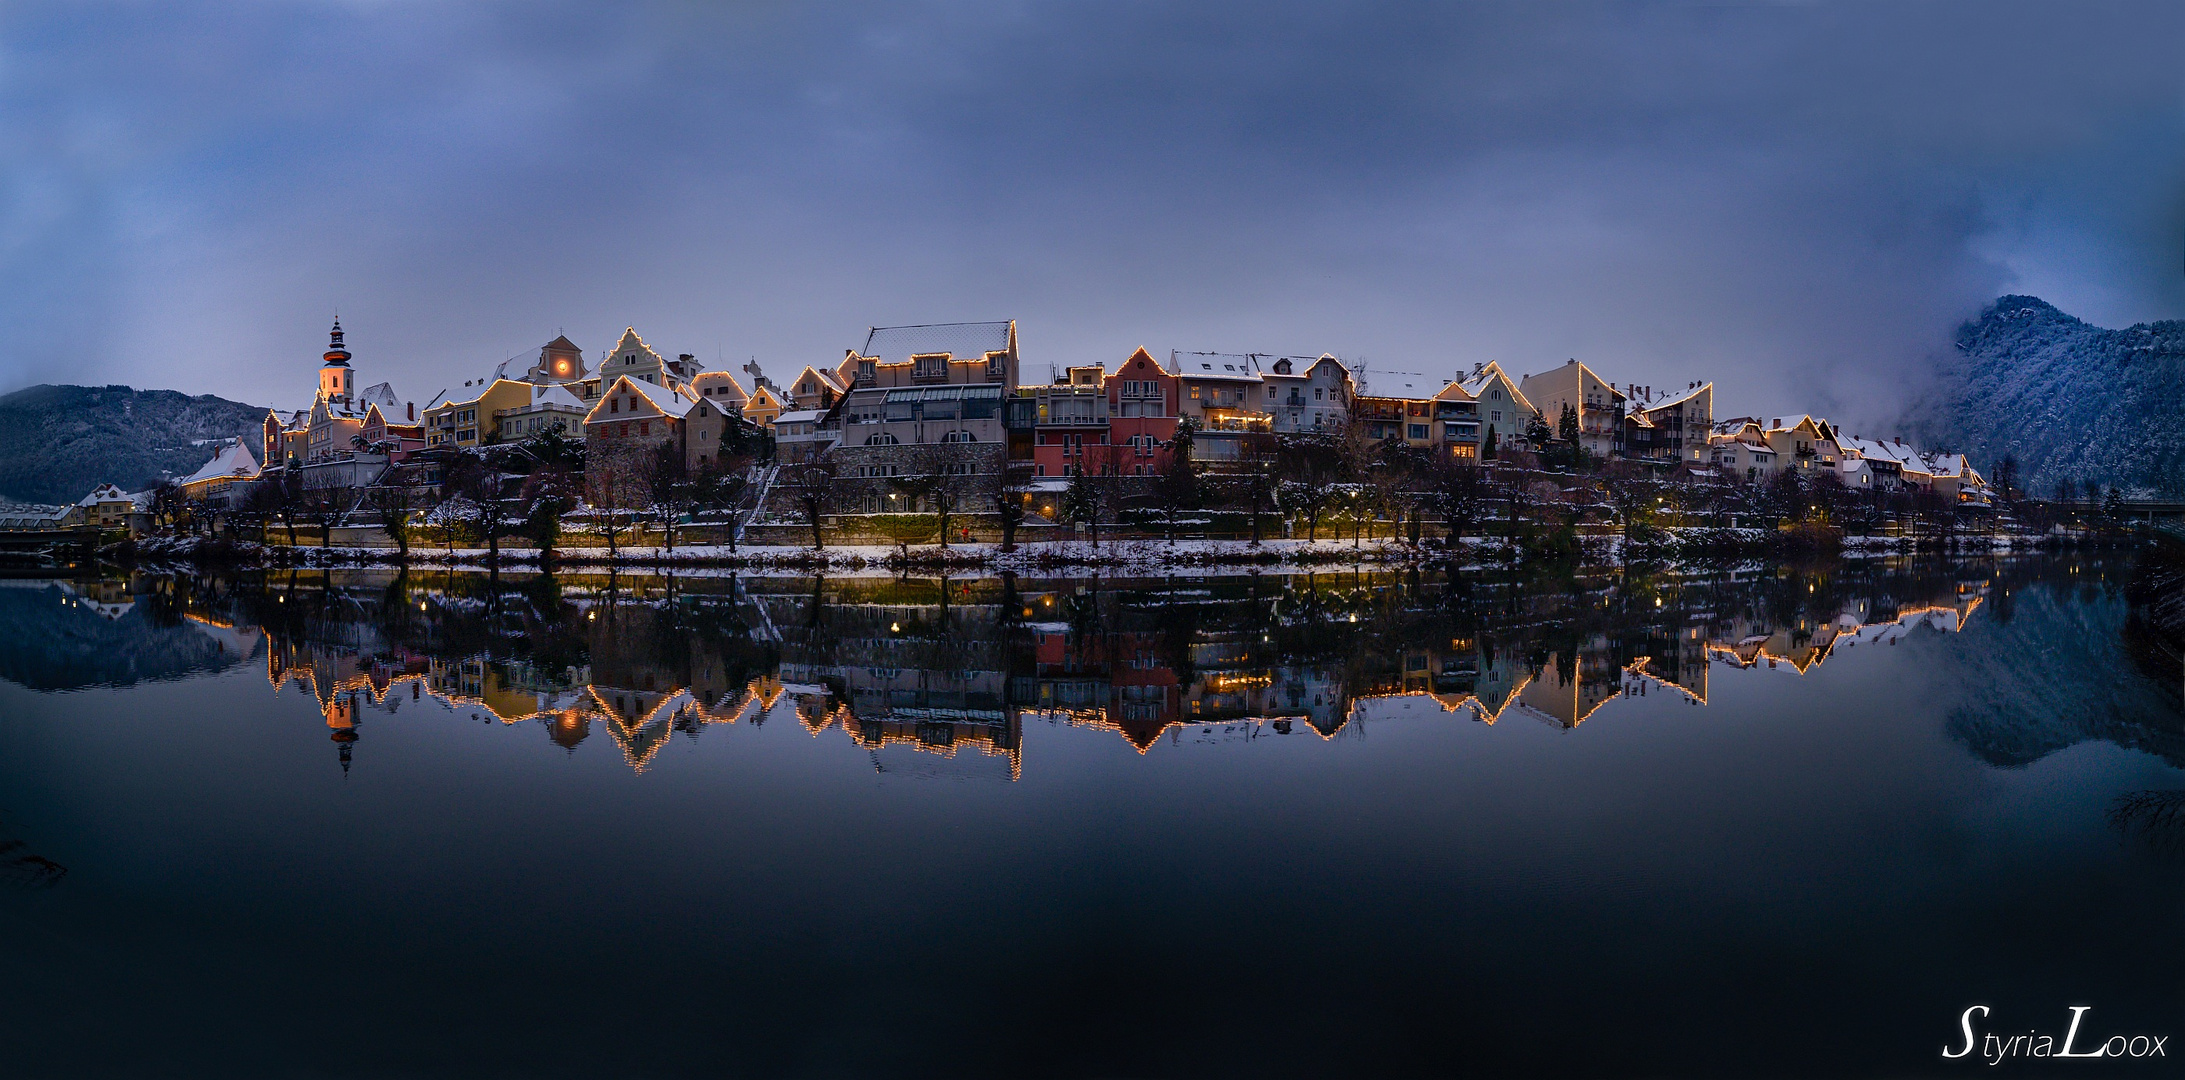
(1797, 201)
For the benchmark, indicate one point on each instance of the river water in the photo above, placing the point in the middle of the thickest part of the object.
(1743, 820)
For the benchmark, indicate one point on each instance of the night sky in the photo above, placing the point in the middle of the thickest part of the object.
(1797, 201)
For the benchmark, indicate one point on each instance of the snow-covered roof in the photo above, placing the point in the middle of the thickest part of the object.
(1409, 385)
(1243, 367)
(380, 394)
(233, 460)
(709, 380)
(961, 341)
(32, 515)
(1478, 384)
(827, 379)
(1872, 450)
(555, 394)
(1679, 399)
(102, 494)
(668, 402)
(801, 416)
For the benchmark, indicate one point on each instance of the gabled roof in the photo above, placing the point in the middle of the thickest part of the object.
(233, 459)
(1477, 385)
(667, 402)
(562, 342)
(960, 341)
(763, 395)
(827, 380)
(1659, 404)
(103, 493)
(1872, 450)
(382, 395)
(705, 379)
(1455, 391)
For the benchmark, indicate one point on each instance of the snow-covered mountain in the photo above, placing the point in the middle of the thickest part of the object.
(2069, 399)
(59, 442)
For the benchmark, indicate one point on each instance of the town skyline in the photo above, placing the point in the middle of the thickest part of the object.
(1803, 203)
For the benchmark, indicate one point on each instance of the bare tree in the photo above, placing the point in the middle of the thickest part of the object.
(1462, 496)
(549, 492)
(167, 505)
(668, 483)
(943, 475)
(615, 486)
(279, 497)
(812, 487)
(478, 477)
(391, 502)
(1007, 488)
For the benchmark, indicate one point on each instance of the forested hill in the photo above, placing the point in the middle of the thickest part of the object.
(59, 442)
(2070, 400)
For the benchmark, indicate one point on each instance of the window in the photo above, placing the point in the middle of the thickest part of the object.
(1270, 393)
(1320, 393)
(644, 427)
(1418, 431)
(1194, 393)
(1494, 414)
(930, 367)
(614, 405)
(882, 439)
(959, 437)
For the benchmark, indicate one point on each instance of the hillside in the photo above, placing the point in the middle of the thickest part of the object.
(2069, 399)
(59, 442)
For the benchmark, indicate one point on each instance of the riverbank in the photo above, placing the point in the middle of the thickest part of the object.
(1136, 555)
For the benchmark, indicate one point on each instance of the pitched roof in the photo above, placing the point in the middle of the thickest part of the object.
(103, 493)
(1872, 450)
(382, 395)
(562, 342)
(704, 379)
(1242, 367)
(827, 379)
(556, 394)
(1661, 403)
(668, 402)
(233, 460)
(961, 341)
(1409, 385)
(1487, 376)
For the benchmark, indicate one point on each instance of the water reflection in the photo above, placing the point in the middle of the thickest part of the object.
(942, 676)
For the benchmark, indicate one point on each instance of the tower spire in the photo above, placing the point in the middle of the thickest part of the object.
(335, 352)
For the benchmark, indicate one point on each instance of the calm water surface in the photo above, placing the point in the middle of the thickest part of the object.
(1753, 820)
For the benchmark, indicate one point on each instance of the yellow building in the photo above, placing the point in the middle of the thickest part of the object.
(466, 416)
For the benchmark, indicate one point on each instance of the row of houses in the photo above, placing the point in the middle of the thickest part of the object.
(1757, 449)
(960, 385)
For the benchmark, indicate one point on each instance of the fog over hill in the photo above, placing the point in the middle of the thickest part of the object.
(59, 442)
(2069, 399)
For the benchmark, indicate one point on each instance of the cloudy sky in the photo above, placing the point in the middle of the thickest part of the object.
(1798, 201)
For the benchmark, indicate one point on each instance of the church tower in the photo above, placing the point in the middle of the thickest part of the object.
(336, 380)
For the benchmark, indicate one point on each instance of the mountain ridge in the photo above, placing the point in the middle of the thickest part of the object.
(2068, 399)
(57, 442)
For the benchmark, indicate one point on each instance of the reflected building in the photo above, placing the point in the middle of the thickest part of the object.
(942, 677)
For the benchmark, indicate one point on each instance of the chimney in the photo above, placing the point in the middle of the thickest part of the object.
(413, 412)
